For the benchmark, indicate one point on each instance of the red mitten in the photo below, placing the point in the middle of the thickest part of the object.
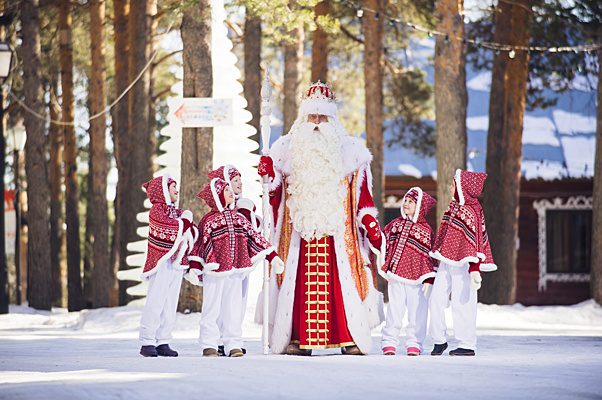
(476, 266)
(194, 265)
(271, 256)
(266, 167)
(187, 225)
(372, 230)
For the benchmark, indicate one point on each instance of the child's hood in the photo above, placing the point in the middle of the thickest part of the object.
(213, 194)
(469, 185)
(424, 202)
(157, 189)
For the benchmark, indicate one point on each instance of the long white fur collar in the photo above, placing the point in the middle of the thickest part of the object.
(355, 154)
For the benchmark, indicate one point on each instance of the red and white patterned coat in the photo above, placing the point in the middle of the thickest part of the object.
(409, 241)
(228, 243)
(462, 236)
(171, 233)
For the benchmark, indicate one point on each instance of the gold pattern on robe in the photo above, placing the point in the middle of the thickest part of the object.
(316, 292)
(356, 261)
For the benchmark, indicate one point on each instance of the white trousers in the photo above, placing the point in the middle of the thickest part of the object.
(402, 297)
(220, 314)
(454, 280)
(159, 314)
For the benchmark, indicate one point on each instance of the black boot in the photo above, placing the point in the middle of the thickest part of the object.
(220, 351)
(439, 349)
(462, 352)
(165, 351)
(148, 351)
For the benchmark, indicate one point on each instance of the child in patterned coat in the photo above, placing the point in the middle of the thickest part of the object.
(463, 252)
(227, 251)
(171, 235)
(409, 271)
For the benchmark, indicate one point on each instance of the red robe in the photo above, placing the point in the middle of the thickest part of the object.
(326, 297)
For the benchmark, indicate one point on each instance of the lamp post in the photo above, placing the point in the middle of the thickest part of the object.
(16, 142)
(5, 60)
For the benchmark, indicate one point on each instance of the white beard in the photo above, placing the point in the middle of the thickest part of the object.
(316, 193)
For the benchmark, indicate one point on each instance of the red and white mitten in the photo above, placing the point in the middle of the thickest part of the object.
(266, 167)
(372, 230)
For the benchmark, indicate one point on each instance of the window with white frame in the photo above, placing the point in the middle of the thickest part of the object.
(565, 229)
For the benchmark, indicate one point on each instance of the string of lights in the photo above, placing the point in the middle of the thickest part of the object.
(361, 12)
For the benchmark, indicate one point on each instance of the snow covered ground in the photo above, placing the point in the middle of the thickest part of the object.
(524, 352)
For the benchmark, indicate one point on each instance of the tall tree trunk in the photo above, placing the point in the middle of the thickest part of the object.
(293, 64)
(197, 143)
(152, 23)
(596, 264)
(504, 149)
(88, 262)
(38, 253)
(4, 291)
(74, 286)
(56, 209)
(124, 215)
(102, 276)
(252, 82)
(319, 48)
(450, 98)
(139, 160)
(373, 78)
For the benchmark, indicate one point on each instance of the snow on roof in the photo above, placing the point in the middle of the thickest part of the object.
(558, 142)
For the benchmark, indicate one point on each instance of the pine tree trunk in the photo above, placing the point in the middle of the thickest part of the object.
(596, 246)
(74, 283)
(152, 23)
(56, 209)
(139, 160)
(252, 82)
(38, 191)
(319, 49)
(88, 262)
(373, 78)
(293, 64)
(197, 143)
(124, 215)
(450, 99)
(102, 276)
(504, 150)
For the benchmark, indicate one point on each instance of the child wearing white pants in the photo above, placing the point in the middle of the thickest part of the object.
(229, 250)
(463, 251)
(159, 314)
(409, 271)
(454, 280)
(171, 236)
(222, 301)
(246, 207)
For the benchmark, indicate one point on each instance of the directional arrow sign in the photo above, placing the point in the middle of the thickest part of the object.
(197, 112)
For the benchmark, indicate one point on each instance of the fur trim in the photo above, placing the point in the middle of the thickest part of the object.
(165, 186)
(366, 211)
(463, 262)
(318, 106)
(390, 276)
(458, 180)
(196, 258)
(209, 267)
(380, 253)
(177, 247)
(216, 198)
(418, 204)
(488, 267)
(262, 255)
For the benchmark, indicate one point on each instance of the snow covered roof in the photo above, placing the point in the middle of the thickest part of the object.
(558, 142)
